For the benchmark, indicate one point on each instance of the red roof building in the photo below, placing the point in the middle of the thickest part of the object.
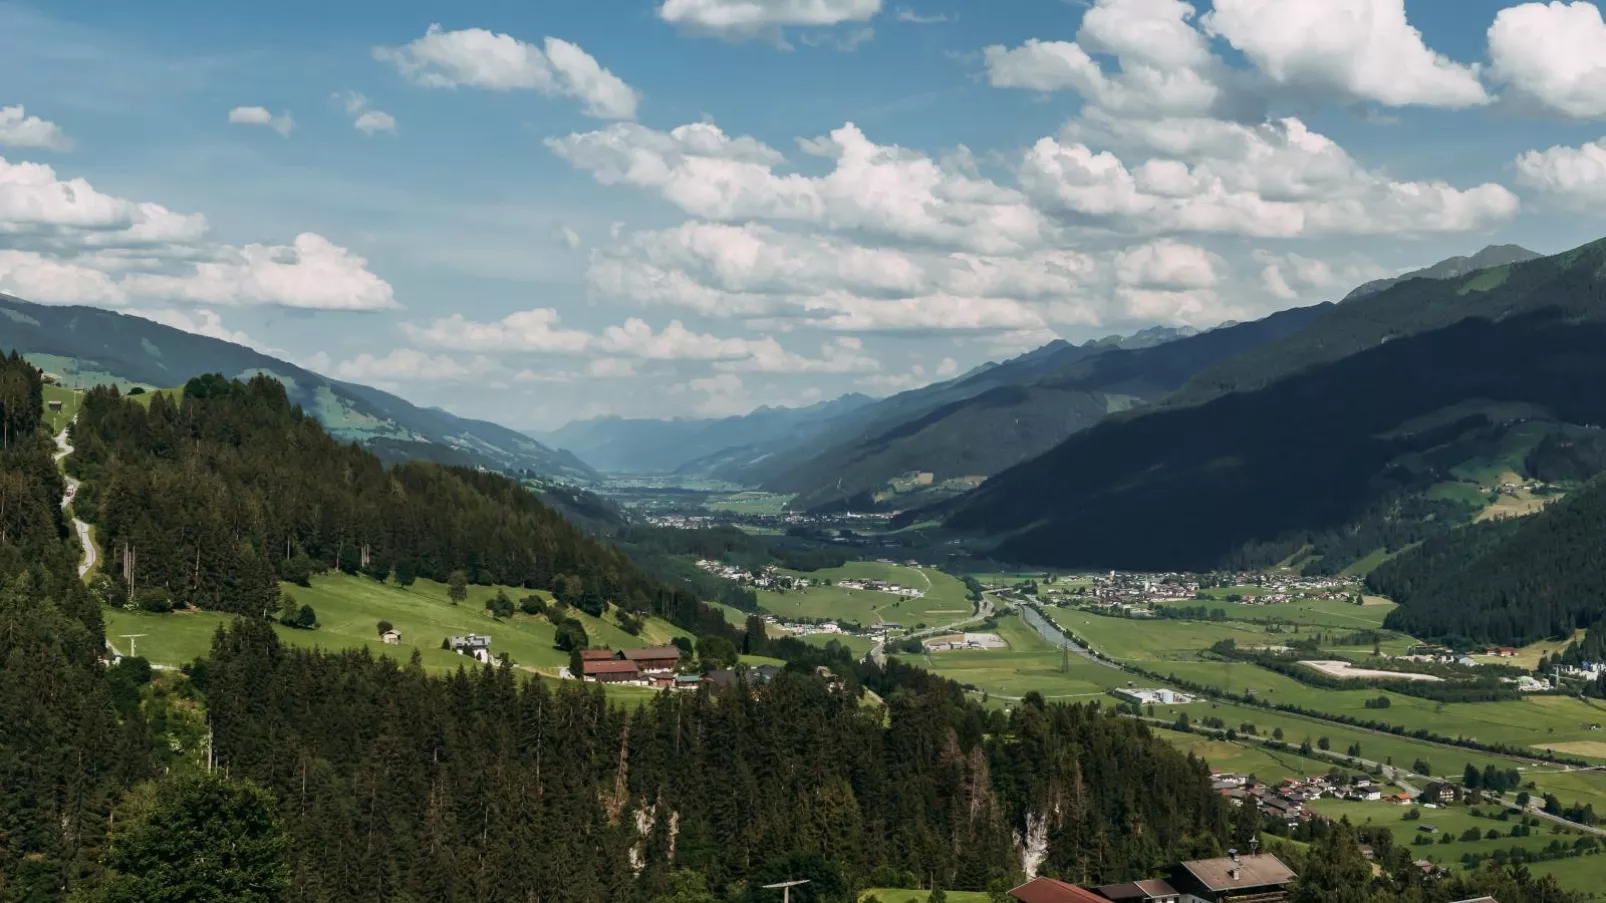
(596, 655)
(653, 658)
(611, 671)
(1048, 890)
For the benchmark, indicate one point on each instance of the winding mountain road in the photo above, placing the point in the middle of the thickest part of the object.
(63, 449)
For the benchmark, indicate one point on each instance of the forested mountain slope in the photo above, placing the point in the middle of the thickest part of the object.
(88, 346)
(479, 788)
(214, 498)
(1511, 582)
(1025, 411)
(1570, 281)
(379, 782)
(769, 465)
(69, 746)
(1338, 454)
(1451, 267)
(640, 446)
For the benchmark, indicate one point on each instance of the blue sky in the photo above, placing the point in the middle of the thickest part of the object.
(658, 207)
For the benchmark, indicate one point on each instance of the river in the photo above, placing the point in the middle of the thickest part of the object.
(1055, 636)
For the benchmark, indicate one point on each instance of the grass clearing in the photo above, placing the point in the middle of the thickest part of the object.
(1030, 663)
(945, 600)
(750, 503)
(349, 608)
(901, 895)
(1528, 656)
(69, 399)
(1456, 820)
(1224, 755)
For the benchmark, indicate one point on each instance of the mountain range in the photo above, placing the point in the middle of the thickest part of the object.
(1389, 419)
(87, 346)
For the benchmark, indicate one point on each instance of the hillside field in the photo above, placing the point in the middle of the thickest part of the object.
(945, 601)
(1030, 663)
(349, 608)
(1580, 874)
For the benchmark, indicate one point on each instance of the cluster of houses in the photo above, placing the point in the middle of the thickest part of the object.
(1132, 591)
(1255, 878)
(882, 586)
(658, 667)
(1287, 801)
(769, 578)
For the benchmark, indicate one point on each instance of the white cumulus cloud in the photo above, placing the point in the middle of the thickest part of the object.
(1552, 56)
(371, 122)
(478, 58)
(737, 20)
(1360, 49)
(312, 273)
(878, 189)
(1568, 176)
(282, 123)
(18, 129)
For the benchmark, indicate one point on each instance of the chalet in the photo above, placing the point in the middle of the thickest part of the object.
(763, 674)
(479, 647)
(597, 655)
(1153, 890)
(721, 679)
(1256, 878)
(1048, 890)
(652, 659)
(686, 682)
(391, 637)
(55, 406)
(610, 671)
(1440, 792)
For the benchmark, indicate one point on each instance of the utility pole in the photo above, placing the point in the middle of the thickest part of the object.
(131, 637)
(786, 888)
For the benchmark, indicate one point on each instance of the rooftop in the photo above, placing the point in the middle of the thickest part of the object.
(595, 655)
(610, 666)
(1255, 870)
(1147, 889)
(1048, 890)
(652, 652)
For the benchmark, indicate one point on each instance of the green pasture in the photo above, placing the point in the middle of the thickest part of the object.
(1030, 663)
(945, 601)
(899, 895)
(1225, 755)
(1312, 612)
(70, 400)
(1582, 873)
(349, 608)
(750, 503)
(1533, 722)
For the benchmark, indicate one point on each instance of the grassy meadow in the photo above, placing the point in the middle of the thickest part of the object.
(349, 608)
(899, 895)
(1579, 874)
(70, 400)
(1030, 663)
(945, 601)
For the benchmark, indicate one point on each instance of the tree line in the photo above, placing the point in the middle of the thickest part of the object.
(1511, 582)
(218, 497)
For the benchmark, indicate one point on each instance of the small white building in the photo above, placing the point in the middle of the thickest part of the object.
(391, 637)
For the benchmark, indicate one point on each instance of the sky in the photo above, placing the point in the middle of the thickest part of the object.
(534, 212)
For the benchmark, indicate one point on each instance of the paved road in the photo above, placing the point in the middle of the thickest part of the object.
(984, 610)
(63, 449)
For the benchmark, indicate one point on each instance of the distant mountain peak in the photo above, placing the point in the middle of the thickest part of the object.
(1451, 267)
